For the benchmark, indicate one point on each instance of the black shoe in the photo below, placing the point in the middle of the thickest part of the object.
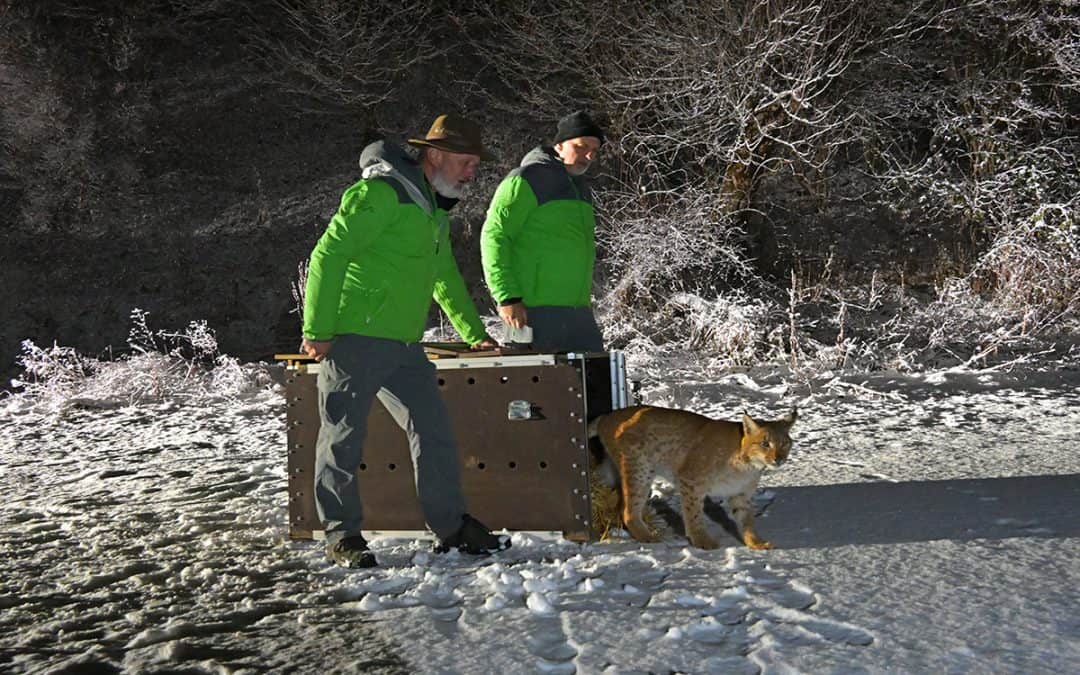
(351, 552)
(473, 538)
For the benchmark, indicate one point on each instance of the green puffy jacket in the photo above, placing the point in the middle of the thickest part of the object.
(384, 255)
(538, 241)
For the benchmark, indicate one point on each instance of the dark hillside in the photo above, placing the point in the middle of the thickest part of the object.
(182, 156)
(178, 183)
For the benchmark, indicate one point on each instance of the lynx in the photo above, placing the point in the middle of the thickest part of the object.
(701, 456)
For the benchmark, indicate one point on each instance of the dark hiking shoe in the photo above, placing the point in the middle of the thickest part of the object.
(351, 552)
(473, 538)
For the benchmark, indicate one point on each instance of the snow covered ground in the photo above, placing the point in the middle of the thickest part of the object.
(925, 523)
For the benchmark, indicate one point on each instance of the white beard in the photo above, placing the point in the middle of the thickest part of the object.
(446, 188)
(575, 170)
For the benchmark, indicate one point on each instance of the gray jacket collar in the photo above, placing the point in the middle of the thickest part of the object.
(382, 159)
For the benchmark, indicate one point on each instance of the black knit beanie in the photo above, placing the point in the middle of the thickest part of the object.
(578, 124)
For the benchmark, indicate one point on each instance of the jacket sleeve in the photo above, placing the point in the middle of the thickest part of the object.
(514, 200)
(452, 294)
(367, 209)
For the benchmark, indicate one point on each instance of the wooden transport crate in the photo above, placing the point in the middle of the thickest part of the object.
(528, 474)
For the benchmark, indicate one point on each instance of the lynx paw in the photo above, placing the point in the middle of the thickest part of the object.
(757, 544)
(642, 532)
(704, 541)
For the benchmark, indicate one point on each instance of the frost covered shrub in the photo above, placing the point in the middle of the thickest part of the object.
(668, 257)
(52, 371)
(728, 330)
(666, 242)
(1021, 296)
(1031, 270)
(1023, 291)
(161, 366)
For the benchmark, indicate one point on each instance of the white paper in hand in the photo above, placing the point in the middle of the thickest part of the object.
(519, 336)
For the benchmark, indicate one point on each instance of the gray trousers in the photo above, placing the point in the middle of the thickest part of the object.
(565, 329)
(356, 371)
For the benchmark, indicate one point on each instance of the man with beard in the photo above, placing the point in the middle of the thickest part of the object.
(371, 279)
(538, 245)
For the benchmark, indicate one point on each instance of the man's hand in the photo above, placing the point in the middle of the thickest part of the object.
(316, 349)
(514, 315)
(484, 345)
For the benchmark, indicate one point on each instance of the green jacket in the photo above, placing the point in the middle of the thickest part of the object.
(538, 241)
(384, 255)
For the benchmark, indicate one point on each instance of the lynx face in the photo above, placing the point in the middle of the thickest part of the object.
(766, 445)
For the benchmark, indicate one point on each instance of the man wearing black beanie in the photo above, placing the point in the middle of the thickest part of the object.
(538, 242)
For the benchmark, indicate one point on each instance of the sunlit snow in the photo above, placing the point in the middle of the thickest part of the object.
(925, 523)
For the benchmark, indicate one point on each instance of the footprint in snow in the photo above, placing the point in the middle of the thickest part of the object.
(813, 628)
(539, 604)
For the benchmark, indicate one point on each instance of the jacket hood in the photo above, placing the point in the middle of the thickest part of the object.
(382, 159)
(544, 161)
(542, 155)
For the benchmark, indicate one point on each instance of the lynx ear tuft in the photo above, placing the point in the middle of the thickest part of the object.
(749, 425)
(792, 416)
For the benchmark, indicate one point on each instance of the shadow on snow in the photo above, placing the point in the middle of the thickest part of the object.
(823, 516)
